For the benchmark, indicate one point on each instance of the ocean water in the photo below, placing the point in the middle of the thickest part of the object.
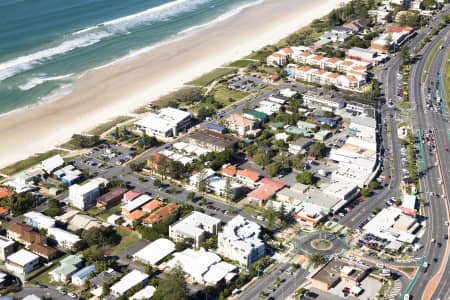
(46, 44)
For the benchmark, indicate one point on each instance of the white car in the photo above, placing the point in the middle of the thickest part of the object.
(72, 295)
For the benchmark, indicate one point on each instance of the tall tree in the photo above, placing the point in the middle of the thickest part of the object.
(228, 193)
(262, 159)
(202, 182)
(404, 54)
(172, 287)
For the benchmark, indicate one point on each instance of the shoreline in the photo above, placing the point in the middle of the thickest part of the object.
(119, 88)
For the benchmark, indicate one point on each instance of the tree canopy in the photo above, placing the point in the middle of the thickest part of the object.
(172, 287)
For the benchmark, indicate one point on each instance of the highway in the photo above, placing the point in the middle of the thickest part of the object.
(432, 191)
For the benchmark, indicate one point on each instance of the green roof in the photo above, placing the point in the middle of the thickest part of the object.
(296, 130)
(68, 265)
(255, 114)
(306, 125)
(277, 125)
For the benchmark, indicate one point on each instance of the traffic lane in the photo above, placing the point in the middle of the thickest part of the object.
(262, 283)
(41, 292)
(290, 285)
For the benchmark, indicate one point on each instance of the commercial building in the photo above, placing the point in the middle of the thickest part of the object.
(195, 226)
(39, 220)
(52, 163)
(408, 205)
(212, 141)
(324, 101)
(6, 247)
(393, 225)
(168, 122)
(64, 238)
(80, 277)
(366, 55)
(111, 198)
(133, 278)
(67, 267)
(396, 36)
(240, 241)
(85, 196)
(69, 175)
(267, 188)
(22, 262)
(336, 271)
(243, 126)
(203, 266)
(364, 128)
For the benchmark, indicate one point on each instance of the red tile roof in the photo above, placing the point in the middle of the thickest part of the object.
(161, 213)
(317, 57)
(351, 78)
(253, 176)
(5, 193)
(304, 54)
(359, 68)
(398, 29)
(277, 55)
(333, 75)
(287, 50)
(332, 60)
(347, 63)
(304, 68)
(3, 210)
(131, 195)
(321, 71)
(137, 214)
(230, 170)
(152, 205)
(267, 188)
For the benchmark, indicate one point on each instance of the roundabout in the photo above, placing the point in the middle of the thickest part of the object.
(320, 242)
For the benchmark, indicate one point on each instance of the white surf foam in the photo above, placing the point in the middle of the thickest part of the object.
(35, 81)
(222, 17)
(12, 67)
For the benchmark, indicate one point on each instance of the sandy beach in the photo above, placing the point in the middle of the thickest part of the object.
(120, 88)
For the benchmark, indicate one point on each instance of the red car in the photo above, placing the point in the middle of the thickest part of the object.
(349, 207)
(360, 199)
(389, 177)
(446, 149)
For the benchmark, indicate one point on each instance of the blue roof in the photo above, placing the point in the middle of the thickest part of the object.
(215, 127)
(84, 273)
(326, 120)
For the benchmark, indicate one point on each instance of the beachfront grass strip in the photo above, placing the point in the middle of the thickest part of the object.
(226, 96)
(29, 162)
(242, 63)
(262, 54)
(215, 74)
(446, 79)
(128, 240)
(429, 60)
(108, 125)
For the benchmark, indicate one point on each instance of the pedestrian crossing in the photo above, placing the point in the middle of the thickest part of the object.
(396, 290)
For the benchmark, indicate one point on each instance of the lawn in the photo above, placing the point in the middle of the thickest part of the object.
(223, 94)
(107, 125)
(242, 63)
(446, 79)
(261, 55)
(29, 162)
(41, 275)
(253, 209)
(128, 240)
(429, 60)
(215, 74)
(113, 210)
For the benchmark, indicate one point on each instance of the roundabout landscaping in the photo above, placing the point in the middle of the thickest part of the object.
(321, 244)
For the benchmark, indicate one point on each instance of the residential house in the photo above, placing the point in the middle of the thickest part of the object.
(299, 145)
(243, 126)
(6, 247)
(111, 198)
(217, 185)
(161, 214)
(155, 252)
(128, 281)
(24, 235)
(248, 177)
(81, 276)
(22, 262)
(39, 220)
(196, 225)
(276, 59)
(255, 115)
(52, 163)
(212, 141)
(130, 195)
(152, 206)
(66, 268)
(65, 239)
(267, 188)
(135, 204)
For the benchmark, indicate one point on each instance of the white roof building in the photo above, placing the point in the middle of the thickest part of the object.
(390, 223)
(341, 189)
(85, 195)
(135, 204)
(128, 281)
(194, 226)
(155, 252)
(39, 220)
(240, 241)
(145, 293)
(168, 122)
(364, 128)
(203, 266)
(22, 262)
(64, 238)
(194, 179)
(52, 163)
(32, 297)
(217, 185)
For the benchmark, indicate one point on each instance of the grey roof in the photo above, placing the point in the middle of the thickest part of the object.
(105, 277)
(302, 142)
(369, 122)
